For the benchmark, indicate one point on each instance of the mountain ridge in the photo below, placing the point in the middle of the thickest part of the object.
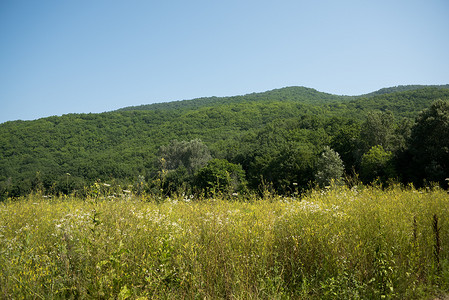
(402, 88)
(247, 130)
(296, 93)
(310, 95)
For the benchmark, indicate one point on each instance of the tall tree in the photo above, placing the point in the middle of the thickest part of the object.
(429, 143)
(377, 164)
(179, 161)
(377, 130)
(191, 155)
(221, 175)
(329, 168)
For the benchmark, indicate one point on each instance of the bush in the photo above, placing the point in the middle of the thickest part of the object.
(219, 175)
(330, 168)
(377, 164)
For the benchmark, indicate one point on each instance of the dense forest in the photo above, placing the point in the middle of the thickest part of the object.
(286, 140)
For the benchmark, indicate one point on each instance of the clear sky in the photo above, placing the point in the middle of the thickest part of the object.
(59, 57)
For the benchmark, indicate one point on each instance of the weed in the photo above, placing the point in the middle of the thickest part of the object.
(359, 243)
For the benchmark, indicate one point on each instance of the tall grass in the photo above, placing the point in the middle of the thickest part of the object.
(365, 243)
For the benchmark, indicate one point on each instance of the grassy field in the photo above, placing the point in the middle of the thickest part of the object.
(341, 243)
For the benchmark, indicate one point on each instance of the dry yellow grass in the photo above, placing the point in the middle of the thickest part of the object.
(337, 243)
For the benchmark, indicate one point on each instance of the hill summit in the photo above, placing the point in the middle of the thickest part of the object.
(275, 137)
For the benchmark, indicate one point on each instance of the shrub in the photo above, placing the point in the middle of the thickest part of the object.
(219, 175)
(330, 168)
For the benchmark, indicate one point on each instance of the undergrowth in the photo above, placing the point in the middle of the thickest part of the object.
(340, 243)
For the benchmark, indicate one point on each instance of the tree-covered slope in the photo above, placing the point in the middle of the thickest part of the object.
(401, 103)
(295, 94)
(403, 88)
(258, 131)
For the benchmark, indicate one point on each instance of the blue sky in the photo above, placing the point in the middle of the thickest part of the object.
(59, 57)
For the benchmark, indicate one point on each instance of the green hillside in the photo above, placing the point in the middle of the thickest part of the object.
(276, 137)
(295, 94)
(403, 88)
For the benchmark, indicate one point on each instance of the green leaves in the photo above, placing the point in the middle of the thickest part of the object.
(329, 169)
(219, 175)
(377, 164)
(429, 143)
(266, 133)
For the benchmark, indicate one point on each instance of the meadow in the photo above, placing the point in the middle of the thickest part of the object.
(337, 243)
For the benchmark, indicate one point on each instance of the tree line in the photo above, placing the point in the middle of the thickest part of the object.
(287, 140)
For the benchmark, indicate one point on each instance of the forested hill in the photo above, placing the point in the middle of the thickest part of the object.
(401, 103)
(275, 137)
(403, 88)
(294, 94)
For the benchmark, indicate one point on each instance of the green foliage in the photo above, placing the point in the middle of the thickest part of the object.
(402, 103)
(404, 88)
(221, 176)
(381, 129)
(377, 164)
(329, 169)
(429, 144)
(191, 155)
(178, 163)
(275, 136)
(345, 140)
(377, 130)
(287, 94)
